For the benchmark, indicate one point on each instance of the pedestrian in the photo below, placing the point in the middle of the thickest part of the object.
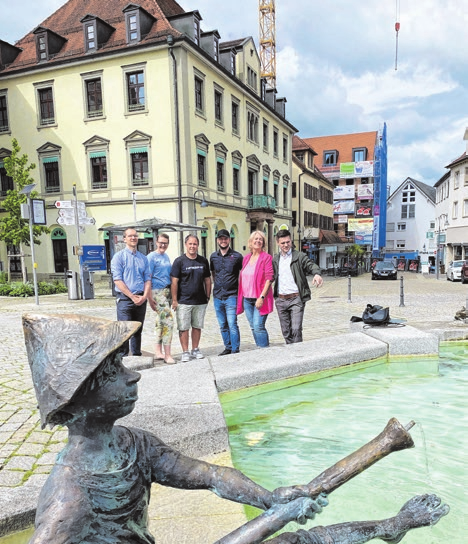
(291, 290)
(132, 280)
(191, 292)
(161, 300)
(255, 296)
(225, 266)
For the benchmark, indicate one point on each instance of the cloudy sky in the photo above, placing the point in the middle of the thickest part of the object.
(336, 67)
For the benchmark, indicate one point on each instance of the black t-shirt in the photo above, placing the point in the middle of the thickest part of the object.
(191, 274)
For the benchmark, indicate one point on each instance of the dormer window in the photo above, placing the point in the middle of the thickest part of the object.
(90, 32)
(42, 53)
(138, 22)
(216, 49)
(196, 31)
(132, 28)
(359, 154)
(188, 23)
(330, 157)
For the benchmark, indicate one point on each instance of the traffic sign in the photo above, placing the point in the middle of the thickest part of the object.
(69, 204)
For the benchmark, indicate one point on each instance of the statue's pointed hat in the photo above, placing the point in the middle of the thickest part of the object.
(63, 351)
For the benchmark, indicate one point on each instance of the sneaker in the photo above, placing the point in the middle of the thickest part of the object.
(225, 352)
(185, 357)
(197, 354)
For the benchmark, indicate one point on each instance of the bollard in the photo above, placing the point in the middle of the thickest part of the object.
(402, 292)
(349, 288)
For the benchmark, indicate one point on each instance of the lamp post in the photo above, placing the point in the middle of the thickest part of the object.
(27, 190)
(203, 203)
(299, 231)
(446, 223)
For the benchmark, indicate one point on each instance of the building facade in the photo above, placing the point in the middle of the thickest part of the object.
(146, 115)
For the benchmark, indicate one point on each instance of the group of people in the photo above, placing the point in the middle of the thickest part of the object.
(250, 284)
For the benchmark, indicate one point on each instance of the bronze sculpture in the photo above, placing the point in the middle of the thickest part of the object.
(99, 489)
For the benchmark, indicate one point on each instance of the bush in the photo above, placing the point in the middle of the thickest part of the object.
(3, 278)
(60, 287)
(21, 290)
(5, 289)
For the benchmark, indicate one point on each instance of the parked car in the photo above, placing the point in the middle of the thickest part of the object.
(384, 270)
(464, 272)
(454, 270)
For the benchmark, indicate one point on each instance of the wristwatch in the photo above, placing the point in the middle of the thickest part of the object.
(262, 297)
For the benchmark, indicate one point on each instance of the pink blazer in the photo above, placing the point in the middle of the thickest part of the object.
(263, 272)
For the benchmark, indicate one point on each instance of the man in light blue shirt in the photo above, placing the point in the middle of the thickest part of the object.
(132, 280)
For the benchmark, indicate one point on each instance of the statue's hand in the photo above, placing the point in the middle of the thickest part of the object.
(302, 510)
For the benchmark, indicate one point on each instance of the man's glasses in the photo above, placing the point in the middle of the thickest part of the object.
(163, 243)
(131, 236)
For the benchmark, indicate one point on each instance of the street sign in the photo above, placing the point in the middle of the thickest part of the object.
(87, 221)
(94, 258)
(70, 212)
(69, 204)
(65, 220)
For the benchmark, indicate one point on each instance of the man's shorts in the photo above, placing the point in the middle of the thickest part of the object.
(190, 315)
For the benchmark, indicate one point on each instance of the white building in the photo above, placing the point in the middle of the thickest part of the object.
(410, 220)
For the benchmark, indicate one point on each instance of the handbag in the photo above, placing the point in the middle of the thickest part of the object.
(375, 315)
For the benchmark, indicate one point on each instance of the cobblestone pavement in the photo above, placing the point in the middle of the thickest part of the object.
(27, 452)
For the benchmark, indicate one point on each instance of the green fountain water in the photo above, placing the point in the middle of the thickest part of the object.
(290, 431)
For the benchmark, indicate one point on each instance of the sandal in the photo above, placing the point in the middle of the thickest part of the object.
(169, 361)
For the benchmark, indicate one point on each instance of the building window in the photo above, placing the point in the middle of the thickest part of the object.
(285, 196)
(359, 154)
(94, 97)
(275, 142)
(400, 244)
(235, 117)
(330, 158)
(218, 106)
(90, 37)
(4, 125)
(140, 172)
(199, 99)
(196, 31)
(401, 226)
(390, 227)
(251, 78)
(252, 182)
(6, 182)
(98, 170)
(456, 179)
(216, 49)
(285, 149)
(300, 155)
(265, 135)
(46, 106)
(132, 26)
(407, 211)
(408, 194)
(201, 168)
(275, 191)
(455, 210)
(235, 180)
(465, 208)
(293, 190)
(136, 90)
(220, 175)
(252, 126)
(41, 44)
(51, 175)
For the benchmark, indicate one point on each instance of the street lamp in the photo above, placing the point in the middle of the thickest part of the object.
(27, 190)
(299, 238)
(203, 203)
(446, 224)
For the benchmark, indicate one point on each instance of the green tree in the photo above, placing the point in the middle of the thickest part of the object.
(14, 230)
(355, 253)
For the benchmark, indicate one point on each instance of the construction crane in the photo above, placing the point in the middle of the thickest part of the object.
(266, 11)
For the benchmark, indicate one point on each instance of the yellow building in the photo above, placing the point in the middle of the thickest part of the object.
(312, 206)
(148, 116)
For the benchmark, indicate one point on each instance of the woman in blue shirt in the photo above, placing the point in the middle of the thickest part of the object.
(160, 269)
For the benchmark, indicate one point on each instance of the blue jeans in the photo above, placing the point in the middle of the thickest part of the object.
(227, 319)
(256, 322)
(128, 311)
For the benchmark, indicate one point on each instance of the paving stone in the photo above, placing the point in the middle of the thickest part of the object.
(10, 478)
(46, 459)
(21, 462)
(29, 448)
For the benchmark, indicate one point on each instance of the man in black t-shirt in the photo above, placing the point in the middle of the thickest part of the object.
(191, 291)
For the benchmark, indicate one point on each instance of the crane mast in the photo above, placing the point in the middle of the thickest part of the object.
(268, 41)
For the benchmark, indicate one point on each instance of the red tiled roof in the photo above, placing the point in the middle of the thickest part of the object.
(298, 144)
(66, 22)
(344, 144)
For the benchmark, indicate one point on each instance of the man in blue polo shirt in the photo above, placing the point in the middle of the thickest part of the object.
(132, 280)
(225, 266)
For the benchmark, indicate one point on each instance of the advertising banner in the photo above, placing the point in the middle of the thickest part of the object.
(360, 169)
(365, 191)
(362, 229)
(364, 210)
(413, 265)
(343, 206)
(345, 192)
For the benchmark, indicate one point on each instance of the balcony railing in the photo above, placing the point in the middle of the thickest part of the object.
(261, 202)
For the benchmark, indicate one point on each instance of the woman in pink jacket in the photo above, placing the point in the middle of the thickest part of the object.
(255, 295)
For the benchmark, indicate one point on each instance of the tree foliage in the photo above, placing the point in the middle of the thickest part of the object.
(13, 229)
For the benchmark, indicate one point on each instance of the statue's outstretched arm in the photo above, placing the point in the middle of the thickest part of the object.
(420, 511)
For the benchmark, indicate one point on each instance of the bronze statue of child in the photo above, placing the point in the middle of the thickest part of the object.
(99, 489)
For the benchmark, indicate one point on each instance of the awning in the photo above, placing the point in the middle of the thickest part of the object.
(97, 154)
(143, 149)
(46, 160)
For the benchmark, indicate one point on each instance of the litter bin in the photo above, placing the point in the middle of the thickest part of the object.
(72, 285)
